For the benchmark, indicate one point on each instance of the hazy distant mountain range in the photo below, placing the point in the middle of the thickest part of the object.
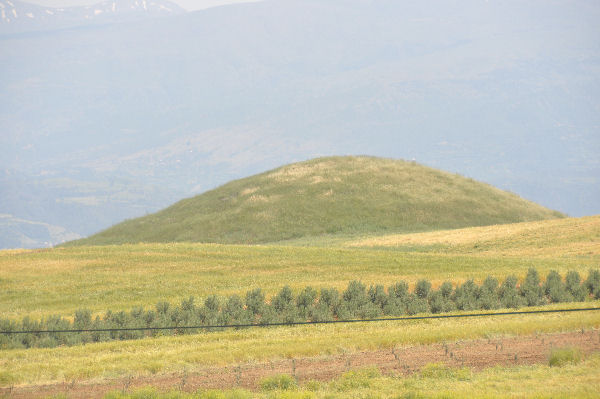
(19, 16)
(113, 120)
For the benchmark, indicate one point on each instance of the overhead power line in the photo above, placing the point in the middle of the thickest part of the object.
(297, 323)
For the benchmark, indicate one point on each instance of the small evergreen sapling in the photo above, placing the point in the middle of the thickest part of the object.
(593, 283)
(441, 300)
(329, 305)
(466, 296)
(397, 299)
(255, 302)
(574, 286)
(509, 294)
(305, 303)
(531, 289)
(488, 294)
(284, 307)
(555, 289)
(422, 289)
(378, 296)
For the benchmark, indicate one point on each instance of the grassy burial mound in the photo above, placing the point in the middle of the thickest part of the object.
(328, 196)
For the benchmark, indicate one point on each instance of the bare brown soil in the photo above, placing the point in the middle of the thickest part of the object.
(475, 354)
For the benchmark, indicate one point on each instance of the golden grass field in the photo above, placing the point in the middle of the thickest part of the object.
(38, 283)
(558, 238)
(59, 281)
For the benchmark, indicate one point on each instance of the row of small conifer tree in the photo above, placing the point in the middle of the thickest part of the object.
(357, 301)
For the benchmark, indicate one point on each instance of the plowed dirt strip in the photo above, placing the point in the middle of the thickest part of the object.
(475, 354)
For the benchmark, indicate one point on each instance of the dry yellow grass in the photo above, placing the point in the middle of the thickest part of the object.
(549, 238)
(59, 281)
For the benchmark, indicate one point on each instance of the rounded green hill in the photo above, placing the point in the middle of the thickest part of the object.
(328, 196)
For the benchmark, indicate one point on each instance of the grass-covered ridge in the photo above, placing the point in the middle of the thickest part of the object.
(566, 237)
(328, 196)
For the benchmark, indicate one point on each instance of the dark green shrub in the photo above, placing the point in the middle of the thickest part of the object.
(255, 301)
(378, 296)
(415, 305)
(28, 340)
(149, 317)
(83, 319)
(446, 289)
(208, 314)
(52, 340)
(188, 305)
(320, 312)
(369, 311)
(354, 298)
(136, 320)
(305, 302)
(562, 356)
(162, 318)
(593, 283)
(397, 299)
(356, 379)
(466, 296)
(488, 294)
(11, 341)
(284, 306)
(531, 289)
(162, 308)
(422, 289)
(234, 312)
(99, 336)
(440, 301)
(211, 303)
(574, 286)
(436, 302)
(344, 313)
(117, 320)
(509, 294)
(329, 304)
(282, 382)
(555, 289)
(330, 297)
(269, 316)
(46, 342)
(398, 291)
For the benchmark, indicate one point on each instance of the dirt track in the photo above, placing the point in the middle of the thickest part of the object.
(476, 354)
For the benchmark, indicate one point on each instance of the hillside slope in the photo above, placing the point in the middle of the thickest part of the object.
(334, 195)
(559, 238)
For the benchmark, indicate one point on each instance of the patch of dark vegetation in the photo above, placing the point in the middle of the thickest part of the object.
(562, 356)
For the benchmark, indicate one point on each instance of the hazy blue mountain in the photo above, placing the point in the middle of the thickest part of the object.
(19, 233)
(17, 16)
(506, 92)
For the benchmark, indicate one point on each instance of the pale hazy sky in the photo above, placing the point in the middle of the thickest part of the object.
(190, 5)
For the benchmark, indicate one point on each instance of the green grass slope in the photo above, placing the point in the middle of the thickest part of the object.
(328, 196)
